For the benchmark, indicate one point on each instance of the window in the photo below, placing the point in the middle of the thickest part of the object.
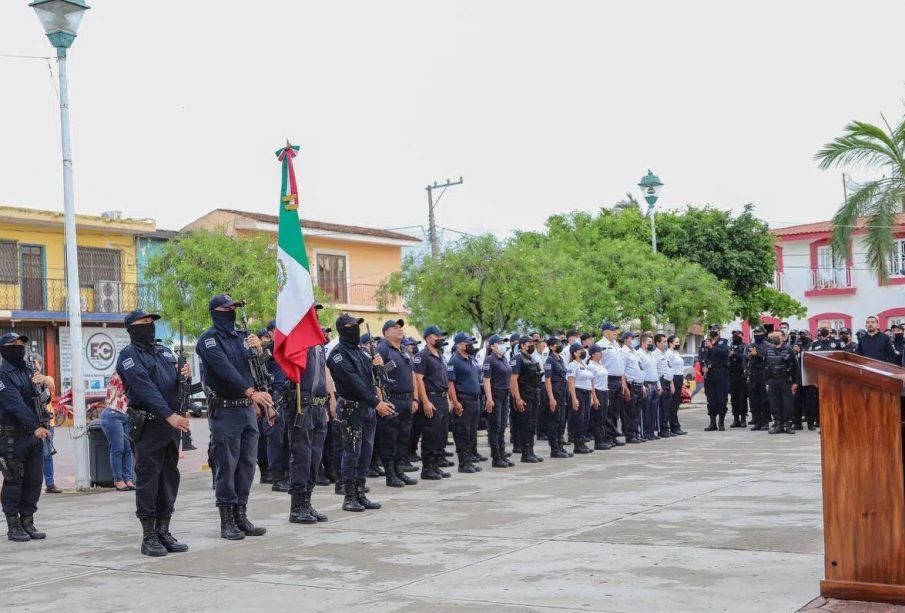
(331, 276)
(9, 262)
(897, 259)
(96, 264)
(831, 271)
(832, 324)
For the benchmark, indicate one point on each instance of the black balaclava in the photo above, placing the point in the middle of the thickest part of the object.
(14, 354)
(142, 334)
(350, 335)
(225, 320)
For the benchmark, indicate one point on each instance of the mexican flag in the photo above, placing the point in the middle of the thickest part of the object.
(297, 326)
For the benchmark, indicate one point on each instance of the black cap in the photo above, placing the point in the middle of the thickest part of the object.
(759, 330)
(594, 349)
(271, 325)
(137, 314)
(393, 322)
(346, 320)
(571, 333)
(586, 336)
(435, 330)
(223, 300)
(525, 339)
(10, 337)
(715, 327)
(845, 331)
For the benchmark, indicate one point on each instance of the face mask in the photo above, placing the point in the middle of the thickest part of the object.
(675, 347)
(776, 341)
(758, 338)
(823, 333)
(350, 335)
(142, 334)
(736, 340)
(437, 343)
(13, 353)
(502, 348)
(899, 335)
(582, 355)
(556, 349)
(470, 349)
(224, 319)
(844, 337)
(530, 349)
(650, 347)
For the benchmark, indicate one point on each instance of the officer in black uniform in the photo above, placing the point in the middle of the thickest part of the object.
(898, 340)
(393, 431)
(21, 436)
(781, 371)
(754, 374)
(845, 340)
(557, 390)
(497, 380)
(525, 385)
(357, 407)
(149, 376)
(233, 405)
(809, 393)
(738, 385)
(464, 376)
(433, 390)
(275, 438)
(714, 358)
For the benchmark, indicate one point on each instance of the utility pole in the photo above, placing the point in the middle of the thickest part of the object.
(431, 219)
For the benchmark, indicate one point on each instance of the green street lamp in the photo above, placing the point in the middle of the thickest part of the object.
(61, 19)
(650, 188)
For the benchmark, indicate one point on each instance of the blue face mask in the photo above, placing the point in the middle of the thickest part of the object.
(225, 320)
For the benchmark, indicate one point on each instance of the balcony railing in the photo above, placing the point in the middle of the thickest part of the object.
(777, 281)
(830, 278)
(34, 294)
(358, 294)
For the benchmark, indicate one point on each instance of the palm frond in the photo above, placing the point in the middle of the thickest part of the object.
(882, 217)
(846, 218)
(861, 143)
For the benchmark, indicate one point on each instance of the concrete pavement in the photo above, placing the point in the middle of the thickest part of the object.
(725, 521)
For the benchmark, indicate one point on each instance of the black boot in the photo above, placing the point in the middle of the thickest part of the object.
(744, 422)
(378, 468)
(498, 460)
(556, 450)
(474, 452)
(722, 423)
(28, 524)
(505, 455)
(527, 456)
(265, 474)
(150, 540)
(228, 528)
(776, 428)
(712, 426)
(338, 487)
(15, 531)
(429, 472)
(299, 513)
(320, 517)
(400, 472)
(362, 499)
(393, 479)
(787, 429)
(580, 447)
(279, 480)
(407, 467)
(322, 478)
(736, 423)
(798, 426)
(166, 539)
(350, 502)
(536, 457)
(242, 523)
(464, 465)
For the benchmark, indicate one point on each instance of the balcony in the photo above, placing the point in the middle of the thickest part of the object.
(357, 296)
(49, 295)
(777, 281)
(830, 282)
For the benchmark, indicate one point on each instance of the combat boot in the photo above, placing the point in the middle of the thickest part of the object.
(322, 478)
(400, 472)
(362, 499)
(736, 422)
(15, 531)
(228, 528)
(28, 524)
(776, 428)
(242, 523)
(150, 540)
(531, 450)
(299, 513)
(498, 460)
(265, 474)
(166, 539)
(350, 502)
(787, 429)
(580, 447)
(712, 426)
(338, 487)
(722, 423)
(474, 452)
(744, 422)
(429, 472)
(393, 479)
(320, 517)
(464, 465)
(279, 480)
(527, 456)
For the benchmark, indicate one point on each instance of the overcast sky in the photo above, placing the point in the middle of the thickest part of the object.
(543, 107)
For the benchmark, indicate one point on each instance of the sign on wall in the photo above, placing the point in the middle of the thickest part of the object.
(100, 348)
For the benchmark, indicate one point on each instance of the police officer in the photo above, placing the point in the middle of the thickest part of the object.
(809, 394)
(393, 432)
(525, 384)
(755, 353)
(233, 405)
(738, 385)
(433, 390)
(714, 358)
(497, 382)
(276, 437)
(413, 434)
(781, 371)
(149, 375)
(21, 436)
(634, 378)
(557, 390)
(464, 375)
(601, 398)
(651, 404)
(358, 404)
(367, 343)
(614, 362)
(664, 375)
(845, 340)
(677, 370)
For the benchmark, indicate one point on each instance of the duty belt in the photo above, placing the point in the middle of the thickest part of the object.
(464, 395)
(635, 383)
(13, 431)
(614, 378)
(352, 404)
(402, 395)
(444, 394)
(229, 403)
(318, 401)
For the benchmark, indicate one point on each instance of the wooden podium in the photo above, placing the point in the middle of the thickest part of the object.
(861, 419)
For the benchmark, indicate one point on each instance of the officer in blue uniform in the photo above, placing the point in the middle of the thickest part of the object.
(557, 390)
(393, 431)
(433, 390)
(497, 381)
(275, 437)
(525, 385)
(149, 376)
(714, 358)
(464, 376)
(21, 436)
(357, 403)
(233, 405)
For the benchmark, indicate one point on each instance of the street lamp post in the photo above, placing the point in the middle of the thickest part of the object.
(650, 188)
(61, 19)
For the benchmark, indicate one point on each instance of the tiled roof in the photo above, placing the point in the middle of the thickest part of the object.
(160, 234)
(821, 226)
(327, 227)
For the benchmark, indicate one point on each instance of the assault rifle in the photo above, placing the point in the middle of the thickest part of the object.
(186, 388)
(263, 380)
(379, 376)
(40, 396)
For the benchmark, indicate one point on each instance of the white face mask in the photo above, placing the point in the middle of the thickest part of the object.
(501, 348)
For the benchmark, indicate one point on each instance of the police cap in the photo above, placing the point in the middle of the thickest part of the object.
(392, 322)
(137, 314)
(345, 321)
(11, 337)
(223, 300)
(463, 337)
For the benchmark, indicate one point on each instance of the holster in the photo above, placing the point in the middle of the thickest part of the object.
(139, 421)
(11, 466)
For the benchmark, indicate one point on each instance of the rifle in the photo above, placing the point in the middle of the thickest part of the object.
(186, 388)
(379, 376)
(257, 362)
(40, 396)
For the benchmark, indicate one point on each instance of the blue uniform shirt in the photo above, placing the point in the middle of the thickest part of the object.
(465, 374)
(314, 379)
(433, 367)
(16, 407)
(499, 371)
(399, 366)
(225, 358)
(150, 378)
(555, 370)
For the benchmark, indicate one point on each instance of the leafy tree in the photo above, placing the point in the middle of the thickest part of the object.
(880, 200)
(193, 267)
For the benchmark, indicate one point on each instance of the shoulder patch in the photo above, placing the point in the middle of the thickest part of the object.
(338, 358)
(450, 367)
(416, 359)
(210, 342)
(128, 363)
(512, 362)
(548, 366)
(2, 386)
(485, 366)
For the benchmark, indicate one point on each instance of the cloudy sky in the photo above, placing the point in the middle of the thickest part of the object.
(542, 107)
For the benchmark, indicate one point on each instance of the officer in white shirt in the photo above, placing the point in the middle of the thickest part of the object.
(614, 362)
(649, 405)
(664, 376)
(602, 391)
(581, 388)
(677, 369)
(634, 377)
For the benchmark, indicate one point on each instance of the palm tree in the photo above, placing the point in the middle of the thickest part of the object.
(630, 202)
(880, 200)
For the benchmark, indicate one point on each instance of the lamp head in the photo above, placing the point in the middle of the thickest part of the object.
(60, 19)
(650, 188)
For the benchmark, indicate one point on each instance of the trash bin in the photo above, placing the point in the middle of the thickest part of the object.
(99, 455)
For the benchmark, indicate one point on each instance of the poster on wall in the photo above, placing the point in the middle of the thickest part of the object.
(100, 348)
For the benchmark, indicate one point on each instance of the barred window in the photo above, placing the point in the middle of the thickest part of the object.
(331, 276)
(9, 262)
(897, 259)
(97, 264)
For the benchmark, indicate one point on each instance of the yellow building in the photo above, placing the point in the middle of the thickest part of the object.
(346, 262)
(33, 285)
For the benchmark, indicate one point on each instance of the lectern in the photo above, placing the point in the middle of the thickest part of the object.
(861, 421)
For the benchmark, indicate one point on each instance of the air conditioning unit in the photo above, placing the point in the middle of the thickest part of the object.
(107, 296)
